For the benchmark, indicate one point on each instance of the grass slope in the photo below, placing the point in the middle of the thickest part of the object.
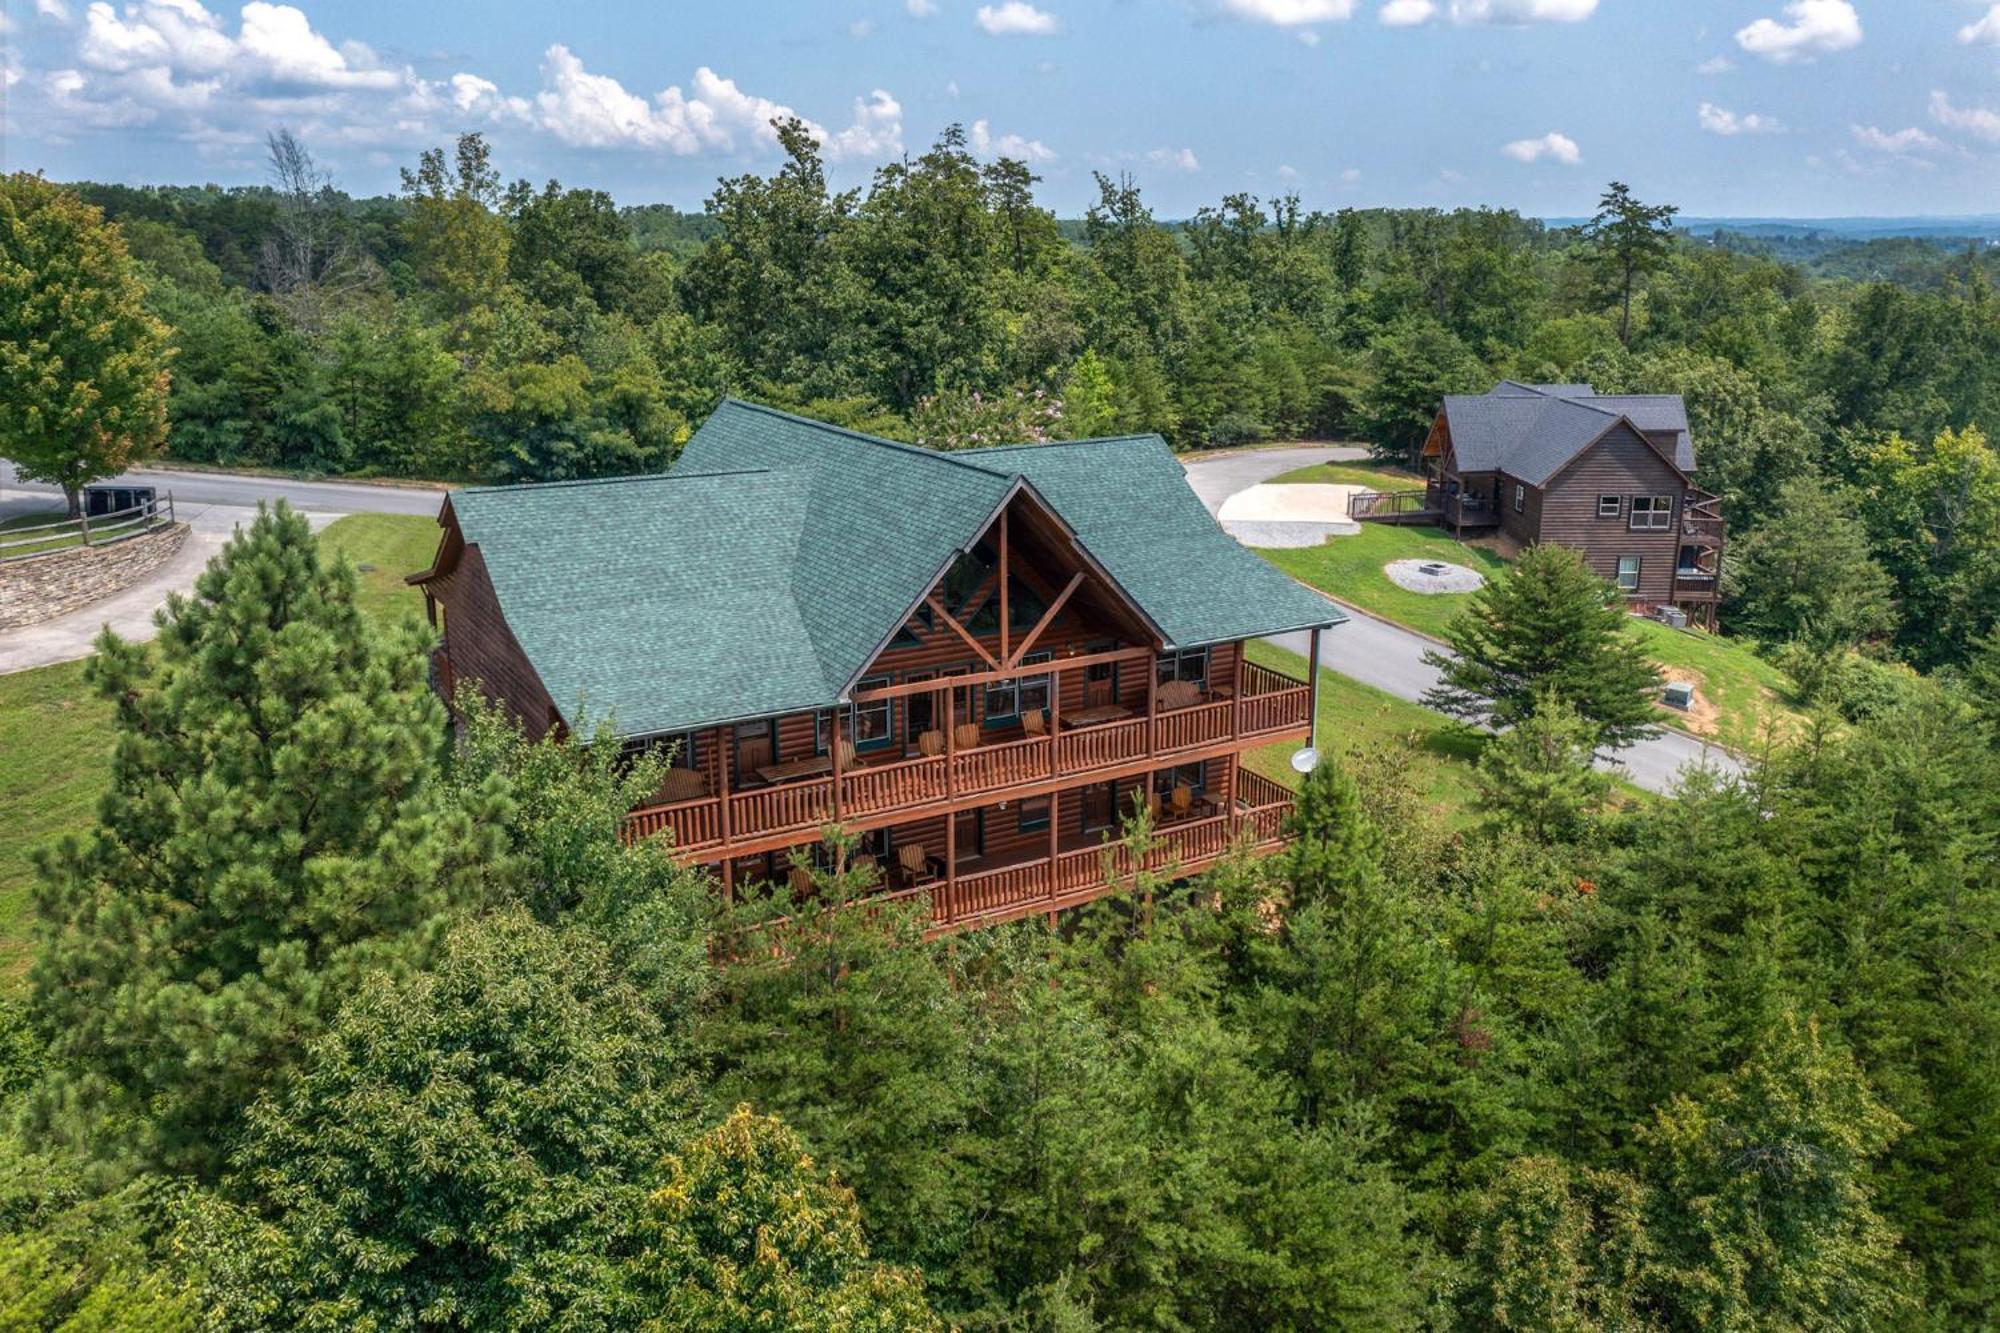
(1378, 476)
(1355, 719)
(56, 733)
(1743, 697)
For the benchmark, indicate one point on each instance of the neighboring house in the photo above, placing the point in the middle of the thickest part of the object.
(1608, 474)
(973, 660)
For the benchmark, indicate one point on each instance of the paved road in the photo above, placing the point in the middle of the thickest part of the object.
(226, 488)
(1390, 658)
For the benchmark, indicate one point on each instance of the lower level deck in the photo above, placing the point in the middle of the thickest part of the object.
(1003, 862)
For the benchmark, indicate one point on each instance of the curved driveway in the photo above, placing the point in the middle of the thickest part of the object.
(1391, 658)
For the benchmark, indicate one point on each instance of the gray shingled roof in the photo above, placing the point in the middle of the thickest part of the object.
(1532, 431)
(772, 564)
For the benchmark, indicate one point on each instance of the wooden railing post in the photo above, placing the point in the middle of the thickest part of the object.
(950, 744)
(838, 778)
(1055, 716)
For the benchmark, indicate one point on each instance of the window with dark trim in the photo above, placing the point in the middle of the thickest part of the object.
(1191, 665)
(1520, 497)
(1610, 506)
(1034, 815)
(1192, 776)
(678, 747)
(1652, 513)
(869, 726)
(1006, 700)
(1628, 573)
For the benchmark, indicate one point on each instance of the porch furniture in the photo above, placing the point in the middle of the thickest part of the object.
(865, 863)
(1179, 694)
(1034, 723)
(682, 784)
(930, 744)
(846, 751)
(966, 734)
(800, 879)
(812, 766)
(916, 863)
(1182, 800)
(1096, 717)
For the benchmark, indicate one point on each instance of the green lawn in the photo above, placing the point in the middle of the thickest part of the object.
(52, 539)
(1379, 476)
(1355, 719)
(56, 735)
(1739, 695)
(1351, 569)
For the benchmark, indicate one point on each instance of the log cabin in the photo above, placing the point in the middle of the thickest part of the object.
(975, 661)
(1610, 475)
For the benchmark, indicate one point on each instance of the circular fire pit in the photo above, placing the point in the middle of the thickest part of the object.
(1433, 576)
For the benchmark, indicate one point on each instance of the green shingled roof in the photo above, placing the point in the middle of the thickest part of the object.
(775, 561)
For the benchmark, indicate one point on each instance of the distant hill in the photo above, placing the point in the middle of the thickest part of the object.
(1977, 227)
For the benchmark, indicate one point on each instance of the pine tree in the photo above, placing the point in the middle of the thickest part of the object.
(83, 366)
(275, 827)
(1549, 629)
(1537, 775)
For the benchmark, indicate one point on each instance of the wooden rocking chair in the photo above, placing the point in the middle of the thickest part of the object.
(916, 863)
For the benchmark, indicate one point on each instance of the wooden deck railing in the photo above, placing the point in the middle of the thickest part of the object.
(1387, 504)
(1267, 703)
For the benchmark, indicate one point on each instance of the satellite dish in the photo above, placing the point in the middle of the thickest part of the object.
(1306, 760)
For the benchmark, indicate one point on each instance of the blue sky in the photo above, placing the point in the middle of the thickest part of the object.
(1795, 107)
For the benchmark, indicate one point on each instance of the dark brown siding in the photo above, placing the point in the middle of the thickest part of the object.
(1620, 464)
(1523, 526)
(480, 646)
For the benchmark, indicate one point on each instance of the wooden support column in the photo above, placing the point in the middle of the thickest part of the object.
(728, 750)
(950, 744)
(1152, 713)
(1312, 690)
(838, 777)
(1055, 838)
(1055, 716)
(1242, 676)
(950, 856)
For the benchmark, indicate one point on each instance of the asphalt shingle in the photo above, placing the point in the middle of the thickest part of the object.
(1531, 431)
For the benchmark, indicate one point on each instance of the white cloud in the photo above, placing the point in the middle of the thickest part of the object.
(1288, 172)
(1977, 121)
(1898, 142)
(1721, 120)
(1984, 32)
(1289, 13)
(1180, 159)
(1351, 176)
(1477, 13)
(861, 29)
(1017, 18)
(1557, 147)
(988, 144)
(922, 9)
(281, 40)
(1811, 28)
(1715, 65)
(53, 9)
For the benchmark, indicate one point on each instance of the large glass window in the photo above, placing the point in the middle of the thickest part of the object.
(869, 726)
(1006, 700)
(1652, 513)
(1191, 665)
(1035, 815)
(1192, 776)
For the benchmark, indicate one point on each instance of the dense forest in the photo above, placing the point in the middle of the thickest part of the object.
(340, 1017)
(471, 330)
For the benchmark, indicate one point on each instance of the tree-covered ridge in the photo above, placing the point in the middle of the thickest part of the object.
(461, 1058)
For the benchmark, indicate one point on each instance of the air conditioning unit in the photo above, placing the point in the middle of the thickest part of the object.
(1673, 617)
(1678, 694)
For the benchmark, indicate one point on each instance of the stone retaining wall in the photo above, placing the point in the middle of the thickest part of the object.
(43, 587)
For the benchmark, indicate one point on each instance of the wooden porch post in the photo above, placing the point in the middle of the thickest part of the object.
(1055, 716)
(1003, 586)
(950, 744)
(728, 749)
(1055, 837)
(950, 855)
(1312, 691)
(1152, 711)
(1236, 712)
(837, 778)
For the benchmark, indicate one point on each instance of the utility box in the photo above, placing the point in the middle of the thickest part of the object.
(1679, 695)
(118, 501)
(1673, 617)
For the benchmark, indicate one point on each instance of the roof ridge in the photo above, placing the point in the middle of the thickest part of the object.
(670, 475)
(865, 438)
(1058, 444)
